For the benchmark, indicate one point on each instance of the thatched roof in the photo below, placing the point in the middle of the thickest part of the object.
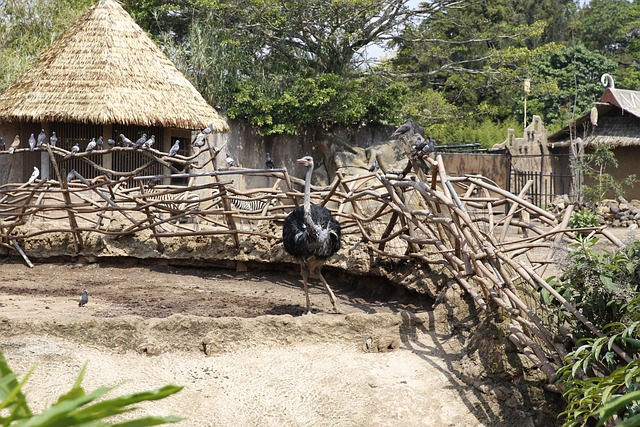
(104, 69)
(618, 122)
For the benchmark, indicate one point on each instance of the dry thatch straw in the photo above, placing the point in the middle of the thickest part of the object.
(104, 69)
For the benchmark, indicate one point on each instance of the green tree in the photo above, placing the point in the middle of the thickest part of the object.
(566, 83)
(283, 65)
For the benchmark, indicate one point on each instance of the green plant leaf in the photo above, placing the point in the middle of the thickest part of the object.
(615, 405)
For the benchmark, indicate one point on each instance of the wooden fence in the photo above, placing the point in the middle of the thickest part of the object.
(427, 216)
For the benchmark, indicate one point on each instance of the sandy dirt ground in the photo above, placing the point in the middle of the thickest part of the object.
(239, 345)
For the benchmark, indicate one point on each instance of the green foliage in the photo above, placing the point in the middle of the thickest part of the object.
(486, 133)
(584, 218)
(75, 407)
(600, 385)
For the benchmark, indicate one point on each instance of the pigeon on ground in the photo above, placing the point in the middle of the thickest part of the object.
(374, 167)
(53, 140)
(100, 142)
(84, 298)
(140, 142)
(111, 142)
(149, 142)
(174, 148)
(32, 143)
(71, 175)
(2, 146)
(125, 141)
(34, 175)
(75, 149)
(42, 137)
(92, 144)
(200, 140)
(404, 129)
(15, 144)
(269, 162)
(230, 161)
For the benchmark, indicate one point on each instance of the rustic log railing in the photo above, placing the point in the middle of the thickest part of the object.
(459, 223)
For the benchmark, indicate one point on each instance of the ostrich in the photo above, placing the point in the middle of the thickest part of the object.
(311, 235)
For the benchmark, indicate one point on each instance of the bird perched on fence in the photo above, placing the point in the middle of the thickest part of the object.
(174, 148)
(154, 182)
(71, 175)
(140, 142)
(15, 144)
(403, 129)
(53, 139)
(99, 143)
(311, 234)
(374, 167)
(125, 141)
(92, 144)
(149, 142)
(2, 146)
(32, 143)
(111, 142)
(75, 149)
(84, 298)
(269, 162)
(42, 137)
(34, 175)
(200, 140)
(229, 160)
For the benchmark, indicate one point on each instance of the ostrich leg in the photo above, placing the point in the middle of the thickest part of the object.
(332, 297)
(304, 271)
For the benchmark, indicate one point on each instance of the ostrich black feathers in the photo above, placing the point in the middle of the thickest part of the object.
(300, 240)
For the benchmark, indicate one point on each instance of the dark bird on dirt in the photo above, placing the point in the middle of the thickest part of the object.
(32, 142)
(75, 149)
(42, 137)
(84, 298)
(374, 167)
(100, 142)
(269, 162)
(111, 142)
(199, 140)
(34, 175)
(403, 129)
(140, 142)
(149, 142)
(71, 175)
(15, 144)
(2, 146)
(92, 144)
(229, 160)
(174, 148)
(311, 234)
(53, 140)
(125, 141)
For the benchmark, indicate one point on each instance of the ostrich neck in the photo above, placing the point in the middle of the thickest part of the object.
(312, 228)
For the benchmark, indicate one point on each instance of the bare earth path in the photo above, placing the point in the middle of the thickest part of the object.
(149, 325)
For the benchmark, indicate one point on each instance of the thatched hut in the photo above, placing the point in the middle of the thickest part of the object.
(104, 76)
(614, 120)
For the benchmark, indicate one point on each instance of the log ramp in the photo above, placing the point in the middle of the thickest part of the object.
(462, 225)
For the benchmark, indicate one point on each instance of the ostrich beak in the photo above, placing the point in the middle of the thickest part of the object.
(302, 162)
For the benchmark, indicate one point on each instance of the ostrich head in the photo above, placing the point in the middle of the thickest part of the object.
(306, 161)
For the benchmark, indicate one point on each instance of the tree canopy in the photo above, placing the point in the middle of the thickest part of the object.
(454, 66)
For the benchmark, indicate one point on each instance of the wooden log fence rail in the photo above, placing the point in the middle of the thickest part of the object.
(466, 225)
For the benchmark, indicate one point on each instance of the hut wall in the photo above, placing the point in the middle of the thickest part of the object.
(10, 165)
